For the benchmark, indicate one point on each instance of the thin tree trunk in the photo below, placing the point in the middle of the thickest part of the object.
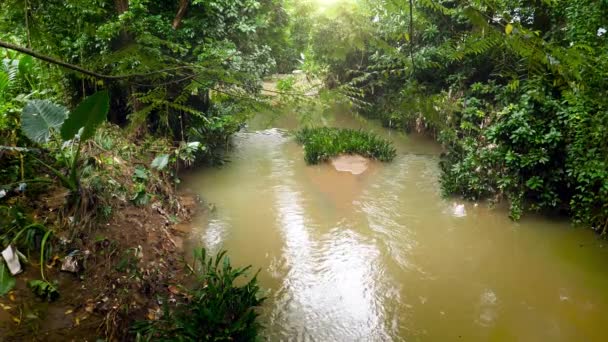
(27, 24)
(181, 12)
(121, 6)
(412, 35)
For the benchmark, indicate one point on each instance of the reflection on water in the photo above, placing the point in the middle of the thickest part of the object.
(329, 283)
(381, 256)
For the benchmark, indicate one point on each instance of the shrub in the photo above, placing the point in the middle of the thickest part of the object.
(215, 310)
(320, 144)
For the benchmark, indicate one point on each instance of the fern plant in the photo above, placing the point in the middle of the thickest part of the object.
(216, 309)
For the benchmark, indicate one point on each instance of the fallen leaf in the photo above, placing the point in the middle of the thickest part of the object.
(53, 262)
(68, 311)
(173, 289)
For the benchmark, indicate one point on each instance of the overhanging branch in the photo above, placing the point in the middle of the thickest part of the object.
(81, 69)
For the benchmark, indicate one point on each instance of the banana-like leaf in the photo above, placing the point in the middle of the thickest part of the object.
(89, 114)
(40, 117)
(160, 162)
(7, 281)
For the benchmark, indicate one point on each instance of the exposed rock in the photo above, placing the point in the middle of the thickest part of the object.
(458, 210)
(352, 163)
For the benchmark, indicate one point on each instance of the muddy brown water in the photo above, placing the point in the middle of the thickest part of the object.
(382, 256)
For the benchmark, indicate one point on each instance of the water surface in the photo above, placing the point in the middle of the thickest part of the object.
(382, 256)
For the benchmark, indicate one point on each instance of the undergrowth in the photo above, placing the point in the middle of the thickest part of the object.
(323, 143)
(216, 309)
(35, 219)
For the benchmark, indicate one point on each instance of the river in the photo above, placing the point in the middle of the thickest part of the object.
(382, 256)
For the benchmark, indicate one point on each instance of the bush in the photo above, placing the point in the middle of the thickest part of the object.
(215, 310)
(320, 144)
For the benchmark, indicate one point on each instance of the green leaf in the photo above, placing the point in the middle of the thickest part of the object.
(7, 281)
(40, 117)
(160, 162)
(89, 114)
(44, 289)
(140, 174)
(4, 82)
(26, 64)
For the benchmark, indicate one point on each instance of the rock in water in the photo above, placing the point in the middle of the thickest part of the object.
(352, 163)
(458, 210)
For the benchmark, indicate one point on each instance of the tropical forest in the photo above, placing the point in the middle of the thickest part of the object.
(303, 170)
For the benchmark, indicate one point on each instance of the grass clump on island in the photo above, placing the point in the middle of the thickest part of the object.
(323, 143)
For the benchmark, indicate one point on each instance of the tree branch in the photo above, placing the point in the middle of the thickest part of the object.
(81, 69)
(181, 11)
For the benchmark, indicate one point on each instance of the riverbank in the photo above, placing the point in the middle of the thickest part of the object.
(118, 267)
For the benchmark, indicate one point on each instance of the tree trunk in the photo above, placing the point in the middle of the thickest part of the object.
(121, 6)
(181, 11)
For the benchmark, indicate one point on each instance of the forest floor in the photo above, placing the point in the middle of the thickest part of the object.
(127, 266)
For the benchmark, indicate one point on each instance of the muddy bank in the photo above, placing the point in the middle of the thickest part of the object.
(125, 265)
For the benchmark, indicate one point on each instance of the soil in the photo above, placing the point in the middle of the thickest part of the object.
(129, 266)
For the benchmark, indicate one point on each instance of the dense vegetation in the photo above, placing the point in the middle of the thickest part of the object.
(516, 92)
(103, 102)
(218, 309)
(323, 143)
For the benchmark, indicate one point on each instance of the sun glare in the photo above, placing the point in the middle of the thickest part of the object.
(326, 3)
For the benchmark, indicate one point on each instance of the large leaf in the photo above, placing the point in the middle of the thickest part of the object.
(7, 281)
(89, 114)
(160, 162)
(40, 117)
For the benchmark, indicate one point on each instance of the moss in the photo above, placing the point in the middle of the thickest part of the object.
(323, 143)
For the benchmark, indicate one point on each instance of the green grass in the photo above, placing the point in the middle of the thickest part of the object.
(323, 143)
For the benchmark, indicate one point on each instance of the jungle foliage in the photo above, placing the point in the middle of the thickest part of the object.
(216, 308)
(188, 71)
(515, 91)
(127, 93)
